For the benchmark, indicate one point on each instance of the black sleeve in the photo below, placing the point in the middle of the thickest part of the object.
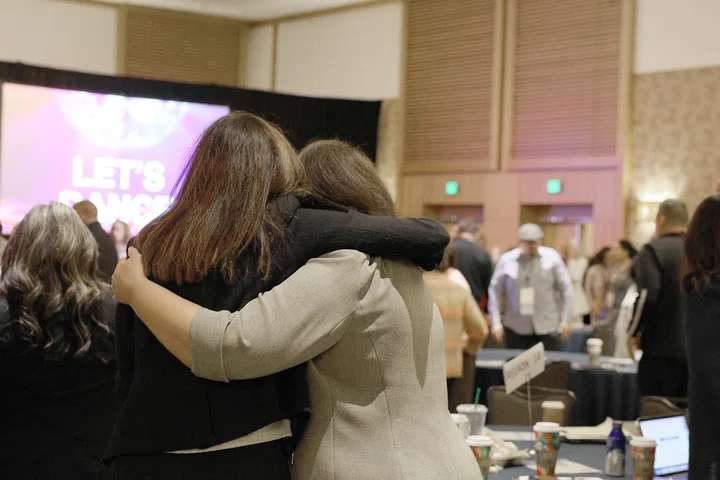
(647, 276)
(125, 349)
(316, 232)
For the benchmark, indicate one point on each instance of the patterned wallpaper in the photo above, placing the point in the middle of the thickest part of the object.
(675, 141)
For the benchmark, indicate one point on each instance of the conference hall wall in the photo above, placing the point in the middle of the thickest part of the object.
(502, 97)
(122, 142)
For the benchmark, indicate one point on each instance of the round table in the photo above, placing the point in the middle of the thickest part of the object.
(592, 455)
(610, 390)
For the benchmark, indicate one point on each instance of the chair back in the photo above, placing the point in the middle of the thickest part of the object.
(512, 409)
(556, 375)
(658, 406)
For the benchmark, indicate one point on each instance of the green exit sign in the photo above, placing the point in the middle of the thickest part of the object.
(554, 186)
(452, 188)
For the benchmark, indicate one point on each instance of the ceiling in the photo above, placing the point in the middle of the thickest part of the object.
(249, 10)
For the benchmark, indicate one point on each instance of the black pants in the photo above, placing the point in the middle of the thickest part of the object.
(265, 461)
(460, 389)
(663, 376)
(515, 341)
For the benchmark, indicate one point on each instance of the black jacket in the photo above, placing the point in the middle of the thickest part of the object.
(702, 312)
(166, 408)
(108, 257)
(56, 416)
(476, 266)
(657, 270)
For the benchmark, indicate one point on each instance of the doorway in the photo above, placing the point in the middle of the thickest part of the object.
(563, 225)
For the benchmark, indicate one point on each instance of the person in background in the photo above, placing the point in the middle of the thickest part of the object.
(120, 232)
(619, 280)
(465, 329)
(701, 286)
(3, 242)
(659, 329)
(577, 266)
(531, 294)
(57, 360)
(108, 258)
(595, 283)
(473, 261)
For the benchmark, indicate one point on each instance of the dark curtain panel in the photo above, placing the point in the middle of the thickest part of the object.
(303, 118)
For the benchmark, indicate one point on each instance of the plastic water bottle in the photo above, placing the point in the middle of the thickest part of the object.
(615, 459)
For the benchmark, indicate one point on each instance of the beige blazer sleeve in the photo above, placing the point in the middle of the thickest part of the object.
(291, 324)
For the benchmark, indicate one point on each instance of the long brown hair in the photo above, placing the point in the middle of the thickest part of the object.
(51, 284)
(342, 177)
(702, 247)
(224, 205)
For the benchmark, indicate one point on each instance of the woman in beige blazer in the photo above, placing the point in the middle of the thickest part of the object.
(373, 339)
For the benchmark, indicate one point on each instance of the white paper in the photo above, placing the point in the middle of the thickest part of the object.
(515, 436)
(566, 467)
(525, 366)
(527, 301)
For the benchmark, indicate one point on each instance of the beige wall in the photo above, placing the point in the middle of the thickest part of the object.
(70, 36)
(676, 141)
(675, 35)
(354, 53)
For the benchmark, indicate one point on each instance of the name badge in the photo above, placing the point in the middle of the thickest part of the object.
(527, 301)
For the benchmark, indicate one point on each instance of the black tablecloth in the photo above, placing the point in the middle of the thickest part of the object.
(611, 391)
(590, 455)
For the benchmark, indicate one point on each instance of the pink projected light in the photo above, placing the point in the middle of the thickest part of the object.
(124, 154)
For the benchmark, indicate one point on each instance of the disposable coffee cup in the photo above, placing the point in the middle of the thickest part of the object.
(547, 446)
(594, 348)
(553, 411)
(481, 447)
(643, 452)
(463, 423)
(477, 415)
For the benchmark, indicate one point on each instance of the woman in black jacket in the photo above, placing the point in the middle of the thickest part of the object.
(235, 230)
(701, 284)
(57, 360)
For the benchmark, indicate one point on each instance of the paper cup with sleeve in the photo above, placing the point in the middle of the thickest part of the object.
(481, 447)
(643, 452)
(477, 415)
(463, 423)
(547, 446)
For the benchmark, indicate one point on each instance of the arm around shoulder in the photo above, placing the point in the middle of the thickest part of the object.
(291, 324)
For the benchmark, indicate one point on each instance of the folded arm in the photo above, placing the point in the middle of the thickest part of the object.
(647, 276)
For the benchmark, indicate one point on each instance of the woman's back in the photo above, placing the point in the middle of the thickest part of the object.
(57, 415)
(379, 394)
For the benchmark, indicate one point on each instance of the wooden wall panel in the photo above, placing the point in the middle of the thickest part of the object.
(452, 85)
(183, 47)
(562, 84)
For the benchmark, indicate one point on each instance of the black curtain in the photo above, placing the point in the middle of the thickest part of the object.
(303, 118)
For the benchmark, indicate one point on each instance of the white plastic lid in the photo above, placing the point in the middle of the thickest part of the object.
(592, 342)
(470, 408)
(553, 405)
(479, 441)
(458, 418)
(547, 427)
(643, 442)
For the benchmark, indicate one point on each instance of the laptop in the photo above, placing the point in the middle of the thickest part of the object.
(673, 444)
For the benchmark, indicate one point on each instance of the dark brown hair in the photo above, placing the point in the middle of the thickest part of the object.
(702, 247)
(224, 207)
(342, 177)
(449, 260)
(50, 282)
